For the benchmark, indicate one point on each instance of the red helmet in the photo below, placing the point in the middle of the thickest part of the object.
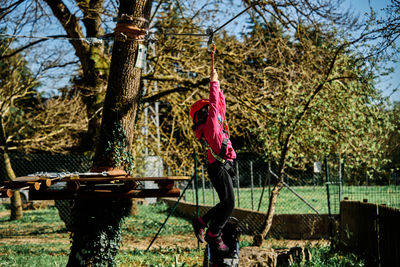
(199, 104)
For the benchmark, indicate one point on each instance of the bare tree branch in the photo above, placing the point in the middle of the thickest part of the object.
(92, 11)
(71, 25)
(7, 10)
(181, 89)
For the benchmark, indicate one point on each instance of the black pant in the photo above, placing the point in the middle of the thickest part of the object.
(222, 182)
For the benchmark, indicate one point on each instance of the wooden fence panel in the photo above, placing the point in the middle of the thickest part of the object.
(349, 230)
(289, 226)
(368, 232)
(372, 231)
(389, 236)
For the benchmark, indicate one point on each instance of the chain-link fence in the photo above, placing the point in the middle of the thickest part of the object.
(304, 191)
(360, 184)
(314, 190)
(24, 164)
(317, 189)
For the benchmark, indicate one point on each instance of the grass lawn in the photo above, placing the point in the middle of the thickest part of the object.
(40, 239)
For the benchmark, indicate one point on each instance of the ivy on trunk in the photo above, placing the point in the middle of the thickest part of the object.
(97, 235)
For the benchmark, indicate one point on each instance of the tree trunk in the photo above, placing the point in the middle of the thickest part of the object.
(258, 239)
(97, 235)
(16, 205)
(94, 61)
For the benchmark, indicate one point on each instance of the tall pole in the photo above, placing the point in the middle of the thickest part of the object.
(237, 184)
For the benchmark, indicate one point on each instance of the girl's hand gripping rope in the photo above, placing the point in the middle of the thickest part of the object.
(214, 75)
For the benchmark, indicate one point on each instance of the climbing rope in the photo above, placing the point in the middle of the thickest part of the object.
(212, 57)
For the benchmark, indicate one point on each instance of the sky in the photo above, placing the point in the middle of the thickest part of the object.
(389, 84)
(359, 7)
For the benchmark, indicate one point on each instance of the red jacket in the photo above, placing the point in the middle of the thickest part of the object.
(212, 130)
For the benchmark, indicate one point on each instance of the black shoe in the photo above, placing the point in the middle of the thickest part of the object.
(216, 243)
(198, 228)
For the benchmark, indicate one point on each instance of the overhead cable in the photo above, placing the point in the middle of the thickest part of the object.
(89, 40)
(97, 40)
(210, 30)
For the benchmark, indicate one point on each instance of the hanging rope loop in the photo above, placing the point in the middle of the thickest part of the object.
(212, 53)
(127, 31)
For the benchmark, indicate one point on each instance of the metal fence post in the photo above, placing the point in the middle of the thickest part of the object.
(193, 187)
(203, 184)
(252, 185)
(328, 196)
(237, 183)
(213, 193)
(196, 179)
(340, 177)
(313, 180)
(269, 179)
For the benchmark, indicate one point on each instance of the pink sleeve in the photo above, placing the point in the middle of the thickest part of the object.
(213, 132)
(214, 99)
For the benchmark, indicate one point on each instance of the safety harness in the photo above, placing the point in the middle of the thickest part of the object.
(221, 155)
(228, 165)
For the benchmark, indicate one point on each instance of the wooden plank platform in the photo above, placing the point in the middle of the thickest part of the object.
(90, 185)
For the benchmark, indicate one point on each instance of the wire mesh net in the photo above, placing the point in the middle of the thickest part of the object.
(318, 189)
(253, 184)
(24, 164)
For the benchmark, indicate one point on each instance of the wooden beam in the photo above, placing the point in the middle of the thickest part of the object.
(21, 185)
(108, 194)
(124, 178)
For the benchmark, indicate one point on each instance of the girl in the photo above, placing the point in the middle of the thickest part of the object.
(210, 127)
